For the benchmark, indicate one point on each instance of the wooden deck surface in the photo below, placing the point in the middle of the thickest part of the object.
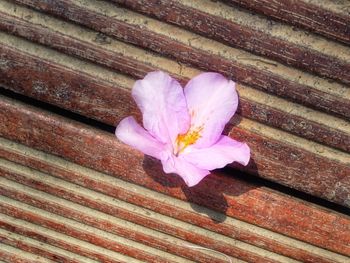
(71, 192)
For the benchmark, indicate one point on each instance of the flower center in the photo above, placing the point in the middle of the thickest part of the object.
(189, 138)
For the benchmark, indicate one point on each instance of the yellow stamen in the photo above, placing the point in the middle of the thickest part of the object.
(189, 138)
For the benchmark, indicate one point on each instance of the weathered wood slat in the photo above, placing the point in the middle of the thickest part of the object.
(20, 227)
(108, 223)
(104, 245)
(316, 16)
(99, 99)
(80, 201)
(40, 248)
(32, 229)
(102, 152)
(13, 255)
(241, 29)
(186, 47)
(254, 105)
(118, 189)
(44, 201)
(275, 112)
(114, 225)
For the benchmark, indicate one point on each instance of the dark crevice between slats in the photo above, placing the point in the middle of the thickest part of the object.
(251, 179)
(298, 124)
(149, 40)
(57, 110)
(286, 190)
(259, 42)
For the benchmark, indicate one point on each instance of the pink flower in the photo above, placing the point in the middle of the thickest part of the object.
(183, 127)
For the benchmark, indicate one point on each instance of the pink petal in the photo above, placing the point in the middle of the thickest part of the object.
(191, 174)
(225, 151)
(212, 100)
(131, 133)
(162, 102)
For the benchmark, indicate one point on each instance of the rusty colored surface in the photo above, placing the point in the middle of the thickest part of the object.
(304, 14)
(141, 33)
(58, 82)
(10, 241)
(73, 193)
(102, 101)
(13, 255)
(102, 152)
(301, 126)
(242, 36)
(92, 238)
(137, 199)
(166, 245)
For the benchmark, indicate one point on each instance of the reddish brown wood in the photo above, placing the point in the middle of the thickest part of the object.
(302, 14)
(34, 250)
(78, 92)
(227, 249)
(299, 126)
(147, 39)
(239, 36)
(89, 237)
(103, 152)
(12, 258)
(65, 88)
(47, 239)
(270, 156)
(140, 200)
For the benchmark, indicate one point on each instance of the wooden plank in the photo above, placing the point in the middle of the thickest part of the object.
(272, 150)
(103, 244)
(13, 255)
(34, 234)
(129, 205)
(247, 31)
(101, 151)
(317, 16)
(91, 217)
(40, 248)
(186, 47)
(254, 105)
(239, 219)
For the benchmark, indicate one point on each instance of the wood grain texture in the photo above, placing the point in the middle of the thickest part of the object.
(275, 112)
(149, 200)
(13, 255)
(192, 49)
(97, 220)
(305, 14)
(110, 104)
(246, 31)
(103, 152)
(80, 201)
(38, 248)
(104, 245)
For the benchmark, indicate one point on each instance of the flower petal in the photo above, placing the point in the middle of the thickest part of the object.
(225, 151)
(191, 174)
(212, 100)
(131, 133)
(163, 105)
